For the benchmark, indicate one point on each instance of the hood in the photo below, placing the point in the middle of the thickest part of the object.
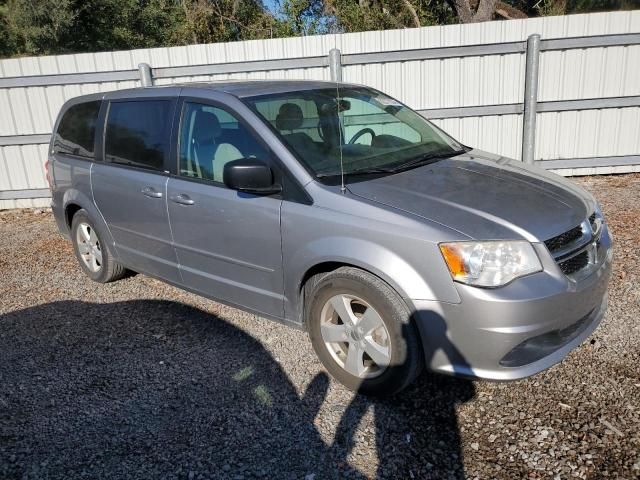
(484, 196)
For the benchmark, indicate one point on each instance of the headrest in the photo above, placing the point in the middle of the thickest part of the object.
(206, 127)
(289, 117)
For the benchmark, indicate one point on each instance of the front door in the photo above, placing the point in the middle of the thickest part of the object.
(228, 243)
(129, 187)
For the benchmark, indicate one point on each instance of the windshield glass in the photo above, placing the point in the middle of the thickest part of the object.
(374, 132)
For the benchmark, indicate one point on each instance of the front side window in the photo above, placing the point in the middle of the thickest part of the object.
(359, 127)
(77, 129)
(211, 137)
(138, 133)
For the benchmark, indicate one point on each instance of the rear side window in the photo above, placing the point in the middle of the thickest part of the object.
(77, 128)
(138, 133)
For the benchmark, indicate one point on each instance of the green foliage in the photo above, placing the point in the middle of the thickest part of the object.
(363, 15)
(544, 8)
(37, 27)
(34, 26)
(208, 21)
(41, 27)
(302, 17)
(7, 38)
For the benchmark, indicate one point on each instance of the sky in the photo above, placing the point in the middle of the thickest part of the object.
(272, 5)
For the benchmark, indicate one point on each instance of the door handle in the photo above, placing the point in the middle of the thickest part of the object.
(182, 199)
(151, 192)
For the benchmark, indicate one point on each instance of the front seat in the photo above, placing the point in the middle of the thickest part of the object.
(209, 152)
(290, 118)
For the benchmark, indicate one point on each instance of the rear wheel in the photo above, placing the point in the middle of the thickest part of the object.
(361, 331)
(93, 254)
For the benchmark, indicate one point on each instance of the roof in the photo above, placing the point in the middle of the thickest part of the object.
(250, 88)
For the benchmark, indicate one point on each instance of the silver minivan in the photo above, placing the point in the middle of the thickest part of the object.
(336, 209)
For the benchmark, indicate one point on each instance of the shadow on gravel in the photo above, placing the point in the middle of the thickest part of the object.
(417, 433)
(157, 389)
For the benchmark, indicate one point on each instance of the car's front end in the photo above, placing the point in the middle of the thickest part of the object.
(521, 328)
(531, 277)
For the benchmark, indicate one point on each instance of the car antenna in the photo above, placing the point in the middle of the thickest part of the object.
(336, 71)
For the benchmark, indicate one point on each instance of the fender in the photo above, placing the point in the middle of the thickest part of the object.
(364, 254)
(74, 196)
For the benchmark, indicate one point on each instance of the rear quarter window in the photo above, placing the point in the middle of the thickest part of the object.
(138, 133)
(76, 130)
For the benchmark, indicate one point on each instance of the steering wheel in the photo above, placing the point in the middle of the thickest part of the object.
(362, 132)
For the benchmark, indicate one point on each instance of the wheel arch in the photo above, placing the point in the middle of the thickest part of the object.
(73, 201)
(328, 255)
(330, 266)
(69, 211)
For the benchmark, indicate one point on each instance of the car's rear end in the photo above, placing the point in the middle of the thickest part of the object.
(71, 152)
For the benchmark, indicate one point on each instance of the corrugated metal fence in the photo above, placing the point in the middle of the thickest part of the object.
(470, 79)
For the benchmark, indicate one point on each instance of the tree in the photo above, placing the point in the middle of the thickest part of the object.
(302, 17)
(361, 15)
(225, 20)
(470, 11)
(7, 38)
(483, 10)
(41, 27)
(563, 7)
(36, 27)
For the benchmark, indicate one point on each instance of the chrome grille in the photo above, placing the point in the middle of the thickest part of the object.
(559, 242)
(576, 249)
(574, 264)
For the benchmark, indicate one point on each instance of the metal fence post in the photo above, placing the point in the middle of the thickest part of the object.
(335, 65)
(146, 80)
(530, 98)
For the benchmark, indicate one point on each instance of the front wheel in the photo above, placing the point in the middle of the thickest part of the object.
(362, 332)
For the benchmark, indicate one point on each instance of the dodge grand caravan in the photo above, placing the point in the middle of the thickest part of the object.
(339, 210)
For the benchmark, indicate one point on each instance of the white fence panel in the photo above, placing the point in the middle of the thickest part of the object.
(424, 84)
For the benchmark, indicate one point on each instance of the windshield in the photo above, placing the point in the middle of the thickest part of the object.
(374, 132)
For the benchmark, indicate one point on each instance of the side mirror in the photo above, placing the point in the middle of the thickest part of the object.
(250, 175)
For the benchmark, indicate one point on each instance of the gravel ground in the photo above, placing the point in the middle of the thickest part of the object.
(137, 379)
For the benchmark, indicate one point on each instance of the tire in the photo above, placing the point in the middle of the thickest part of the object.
(395, 345)
(105, 269)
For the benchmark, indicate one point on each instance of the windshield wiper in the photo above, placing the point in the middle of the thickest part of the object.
(425, 159)
(362, 171)
(418, 161)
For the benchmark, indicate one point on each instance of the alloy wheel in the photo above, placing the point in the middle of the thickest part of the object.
(356, 336)
(89, 247)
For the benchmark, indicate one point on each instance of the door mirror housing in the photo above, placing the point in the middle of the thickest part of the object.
(250, 175)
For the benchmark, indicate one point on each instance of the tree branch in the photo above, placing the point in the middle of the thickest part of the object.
(412, 11)
(483, 13)
(507, 11)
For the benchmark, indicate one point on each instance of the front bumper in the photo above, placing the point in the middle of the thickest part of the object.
(517, 330)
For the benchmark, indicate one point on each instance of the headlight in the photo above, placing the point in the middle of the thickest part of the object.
(490, 264)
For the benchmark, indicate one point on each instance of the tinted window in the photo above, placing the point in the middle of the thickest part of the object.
(138, 133)
(77, 129)
(210, 138)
